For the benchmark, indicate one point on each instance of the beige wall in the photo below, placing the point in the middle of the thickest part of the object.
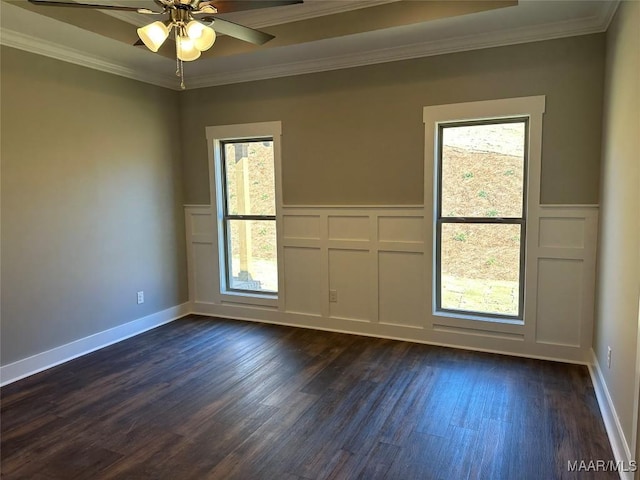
(91, 202)
(619, 261)
(356, 136)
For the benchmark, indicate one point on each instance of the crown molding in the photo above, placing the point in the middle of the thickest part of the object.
(609, 12)
(32, 44)
(569, 28)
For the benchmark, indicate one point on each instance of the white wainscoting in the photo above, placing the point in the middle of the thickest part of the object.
(566, 276)
(201, 253)
(378, 260)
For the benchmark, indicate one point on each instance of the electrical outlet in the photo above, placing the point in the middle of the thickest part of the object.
(333, 296)
(608, 357)
(140, 297)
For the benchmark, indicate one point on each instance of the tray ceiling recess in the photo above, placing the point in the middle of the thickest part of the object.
(316, 35)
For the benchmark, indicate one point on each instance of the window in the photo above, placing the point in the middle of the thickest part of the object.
(249, 215)
(244, 169)
(481, 217)
(482, 176)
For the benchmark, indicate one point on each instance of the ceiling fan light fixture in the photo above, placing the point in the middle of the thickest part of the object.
(203, 36)
(186, 49)
(153, 35)
(192, 33)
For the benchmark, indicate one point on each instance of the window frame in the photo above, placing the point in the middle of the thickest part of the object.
(216, 136)
(440, 219)
(448, 323)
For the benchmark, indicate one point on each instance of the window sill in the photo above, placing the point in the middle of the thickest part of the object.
(478, 323)
(478, 318)
(254, 299)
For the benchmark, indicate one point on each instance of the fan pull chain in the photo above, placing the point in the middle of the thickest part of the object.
(179, 63)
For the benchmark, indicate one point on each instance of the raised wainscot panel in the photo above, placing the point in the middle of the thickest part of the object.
(348, 228)
(559, 305)
(349, 275)
(302, 280)
(401, 289)
(301, 226)
(204, 272)
(561, 232)
(201, 224)
(401, 229)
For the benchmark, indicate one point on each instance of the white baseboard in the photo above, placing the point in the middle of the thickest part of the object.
(619, 444)
(44, 360)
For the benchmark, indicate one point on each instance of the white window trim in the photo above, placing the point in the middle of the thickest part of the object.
(534, 108)
(215, 135)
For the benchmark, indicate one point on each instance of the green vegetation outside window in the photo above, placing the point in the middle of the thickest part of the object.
(481, 217)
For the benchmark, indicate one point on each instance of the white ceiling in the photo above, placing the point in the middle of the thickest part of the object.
(529, 20)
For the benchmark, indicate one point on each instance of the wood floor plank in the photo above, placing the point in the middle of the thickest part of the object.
(490, 459)
(204, 398)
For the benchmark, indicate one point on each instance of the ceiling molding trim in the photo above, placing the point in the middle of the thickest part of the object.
(609, 12)
(35, 45)
(570, 28)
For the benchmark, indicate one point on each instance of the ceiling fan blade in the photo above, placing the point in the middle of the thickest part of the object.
(239, 31)
(228, 6)
(89, 5)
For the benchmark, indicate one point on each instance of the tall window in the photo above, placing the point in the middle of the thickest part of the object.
(482, 176)
(249, 215)
(481, 217)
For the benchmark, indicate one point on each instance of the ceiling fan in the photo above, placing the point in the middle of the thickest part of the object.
(191, 22)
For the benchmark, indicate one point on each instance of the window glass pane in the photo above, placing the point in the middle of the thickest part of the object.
(482, 170)
(249, 173)
(480, 268)
(252, 255)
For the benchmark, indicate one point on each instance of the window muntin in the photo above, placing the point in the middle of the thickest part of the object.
(481, 217)
(249, 221)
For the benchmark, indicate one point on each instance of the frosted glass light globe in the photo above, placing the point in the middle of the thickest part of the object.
(203, 37)
(153, 35)
(186, 49)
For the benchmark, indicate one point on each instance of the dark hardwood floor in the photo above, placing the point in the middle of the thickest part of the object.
(219, 399)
